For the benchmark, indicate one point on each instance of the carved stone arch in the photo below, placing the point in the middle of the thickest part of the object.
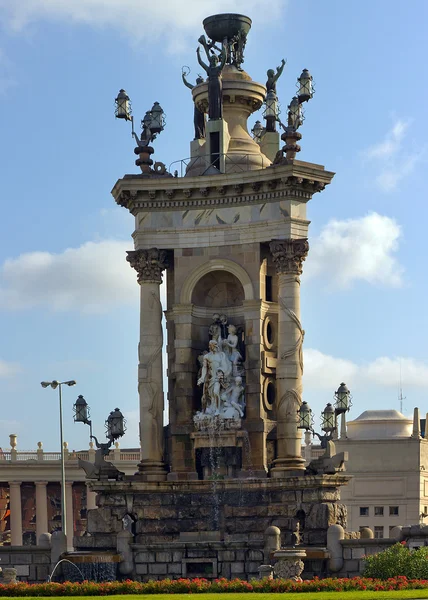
(216, 264)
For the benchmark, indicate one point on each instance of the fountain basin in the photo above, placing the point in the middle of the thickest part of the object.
(94, 566)
(227, 25)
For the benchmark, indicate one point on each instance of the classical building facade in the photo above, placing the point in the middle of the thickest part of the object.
(30, 491)
(388, 461)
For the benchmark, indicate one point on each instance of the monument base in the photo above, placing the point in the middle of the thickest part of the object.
(211, 528)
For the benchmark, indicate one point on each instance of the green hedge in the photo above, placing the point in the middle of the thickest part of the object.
(398, 560)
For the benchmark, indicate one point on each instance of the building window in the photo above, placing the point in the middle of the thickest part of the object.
(364, 511)
(378, 531)
(393, 511)
(378, 511)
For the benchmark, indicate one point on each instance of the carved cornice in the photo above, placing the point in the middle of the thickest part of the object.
(288, 255)
(149, 264)
(208, 196)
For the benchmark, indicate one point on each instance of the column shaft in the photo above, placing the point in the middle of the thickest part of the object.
(15, 513)
(149, 265)
(288, 256)
(91, 498)
(41, 509)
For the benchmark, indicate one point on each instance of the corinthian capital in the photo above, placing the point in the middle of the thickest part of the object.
(149, 264)
(288, 255)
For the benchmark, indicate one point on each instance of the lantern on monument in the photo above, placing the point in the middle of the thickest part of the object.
(328, 419)
(305, 417)
(81, 410)
(306, 90)
(123, 106)
(343, 399)
(115, 424)
(295, 117)
(157, 115)
(271, 111)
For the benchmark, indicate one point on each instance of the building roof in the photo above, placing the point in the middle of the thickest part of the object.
(381, 415)
(380, 425)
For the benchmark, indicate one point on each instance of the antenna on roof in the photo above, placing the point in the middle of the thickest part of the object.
(400, 393)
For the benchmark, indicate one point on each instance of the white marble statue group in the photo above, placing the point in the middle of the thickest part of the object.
(221, 374)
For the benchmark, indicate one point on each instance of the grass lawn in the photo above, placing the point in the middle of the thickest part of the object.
(255, 596)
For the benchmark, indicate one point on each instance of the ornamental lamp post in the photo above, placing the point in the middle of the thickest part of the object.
(328, 419)
(115, 425)
(343, 399)
(295, 117)
(54, 385)
(305, 417)
(123, 106)
(328, 415)
(306, 90)
(82, 412)
(271, 112)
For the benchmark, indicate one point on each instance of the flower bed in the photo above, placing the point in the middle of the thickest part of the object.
(199, 586)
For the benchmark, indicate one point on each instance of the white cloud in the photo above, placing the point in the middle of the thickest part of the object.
(392, 142)
(8, 369)
(356, 250)
(90, 279)
(323, 371)
(140, 20)
(386, 371)
(392, 157)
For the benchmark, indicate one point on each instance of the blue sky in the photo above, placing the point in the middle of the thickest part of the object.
(68, 299)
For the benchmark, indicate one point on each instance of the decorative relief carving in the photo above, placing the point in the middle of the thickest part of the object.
(187, 193)
(169, 194)
(256, 186)
(149, 264)
(272, 184)
(221, 189)
(288, 255)
(239, 188)
(297, 348)
(204, 191)
(152, 194)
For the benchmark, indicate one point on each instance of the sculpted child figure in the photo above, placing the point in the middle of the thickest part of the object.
(231, 347)
(231, 397)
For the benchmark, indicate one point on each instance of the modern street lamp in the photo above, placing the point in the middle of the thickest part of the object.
(328, 415)
(58, 384)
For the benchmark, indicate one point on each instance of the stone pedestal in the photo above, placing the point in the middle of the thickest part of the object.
(269, 144)
(219, 453)
(289, 563)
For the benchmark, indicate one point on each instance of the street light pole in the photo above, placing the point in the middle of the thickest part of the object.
(57, 384)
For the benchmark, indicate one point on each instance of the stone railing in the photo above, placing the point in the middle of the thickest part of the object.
(42, 456)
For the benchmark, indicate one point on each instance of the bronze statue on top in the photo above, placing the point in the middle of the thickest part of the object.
(215, 88)
(273, 77)
(198, 116)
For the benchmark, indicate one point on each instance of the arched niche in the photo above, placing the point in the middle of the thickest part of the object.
(226, 274)
(218, 289)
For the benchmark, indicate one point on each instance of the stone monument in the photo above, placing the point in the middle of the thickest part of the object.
(229, 238)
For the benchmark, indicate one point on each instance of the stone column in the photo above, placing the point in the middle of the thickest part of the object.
(91, 498)
(69, 514)
(149, 265)
(288, 256)
(41, 509)
(15, 513)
